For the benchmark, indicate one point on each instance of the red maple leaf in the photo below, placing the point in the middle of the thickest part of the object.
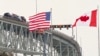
(84, 18)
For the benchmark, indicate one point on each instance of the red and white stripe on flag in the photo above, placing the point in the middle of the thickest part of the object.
(88, 19)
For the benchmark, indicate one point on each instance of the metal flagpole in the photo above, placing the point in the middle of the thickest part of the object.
(98, 31)
(36, 6)
(51, 42)
(73, 33)
(76, 33)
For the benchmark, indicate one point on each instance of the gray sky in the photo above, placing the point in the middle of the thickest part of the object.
(63, 12)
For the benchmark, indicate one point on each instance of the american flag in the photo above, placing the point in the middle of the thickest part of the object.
(39, 21)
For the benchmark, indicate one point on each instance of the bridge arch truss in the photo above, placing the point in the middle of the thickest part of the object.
(15, 37)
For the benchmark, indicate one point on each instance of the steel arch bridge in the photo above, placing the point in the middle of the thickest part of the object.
(15, 37)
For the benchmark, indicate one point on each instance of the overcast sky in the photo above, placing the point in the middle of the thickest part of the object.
(63, 12)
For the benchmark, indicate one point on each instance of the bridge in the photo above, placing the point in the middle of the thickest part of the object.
(15, 37)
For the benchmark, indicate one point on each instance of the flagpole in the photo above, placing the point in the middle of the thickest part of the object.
(73, 33)
(51, 15)
(36, 6)
(76, 33)
(51, 32)
(98, 31)
(35, 30)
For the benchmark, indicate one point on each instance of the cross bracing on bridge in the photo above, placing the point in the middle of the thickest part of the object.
(15, 37)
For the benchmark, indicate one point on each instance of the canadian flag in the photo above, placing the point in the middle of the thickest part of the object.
(88, 19)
